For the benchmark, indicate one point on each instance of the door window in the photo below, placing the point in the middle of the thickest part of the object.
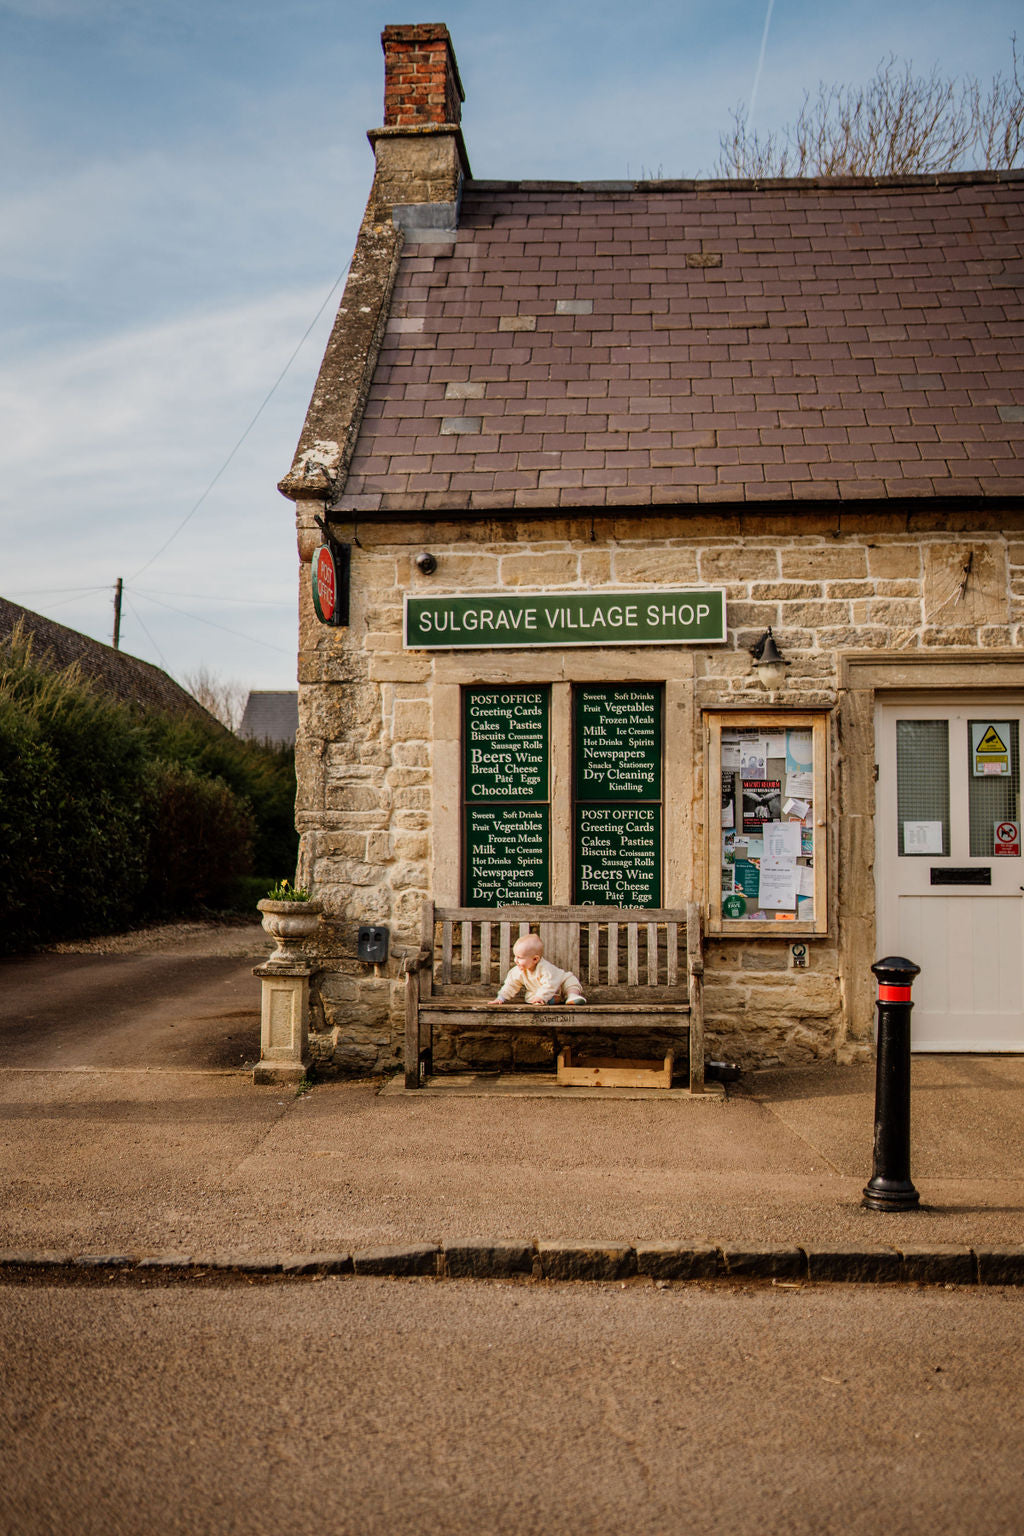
(993, 778)
(922, 792)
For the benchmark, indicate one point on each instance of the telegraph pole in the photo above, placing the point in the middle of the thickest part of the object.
(117, 613)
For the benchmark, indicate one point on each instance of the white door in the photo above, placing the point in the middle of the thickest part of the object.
(948, 870)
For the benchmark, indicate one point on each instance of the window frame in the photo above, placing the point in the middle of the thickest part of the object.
(444, 676)
(816, 721)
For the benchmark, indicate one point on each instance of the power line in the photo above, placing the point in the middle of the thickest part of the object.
(245, 434)
(213, 597)
(149, 637)
(35, 591)
(252, 640)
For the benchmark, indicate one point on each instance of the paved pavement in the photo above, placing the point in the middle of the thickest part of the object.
(189, 1162)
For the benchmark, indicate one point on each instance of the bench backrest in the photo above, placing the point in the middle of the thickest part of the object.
(616, 951)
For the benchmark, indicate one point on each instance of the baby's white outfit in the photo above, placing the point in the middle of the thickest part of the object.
(542, 984)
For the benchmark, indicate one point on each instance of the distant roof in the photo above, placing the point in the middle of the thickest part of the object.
(614, 344)
(114, 673)
(271, 717)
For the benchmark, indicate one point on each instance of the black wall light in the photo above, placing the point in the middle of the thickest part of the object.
(769, 662)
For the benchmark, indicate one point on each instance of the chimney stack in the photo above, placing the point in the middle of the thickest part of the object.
(421, 77)
(420, 153)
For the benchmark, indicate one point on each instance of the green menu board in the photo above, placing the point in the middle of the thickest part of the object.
(505, 743)
(617, 756)
(507, 855)
(618, 743)
(506, 817)
(618, 855)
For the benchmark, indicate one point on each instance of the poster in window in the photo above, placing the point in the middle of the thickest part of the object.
(762, 802)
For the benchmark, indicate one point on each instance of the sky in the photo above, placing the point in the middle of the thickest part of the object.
(180, 189)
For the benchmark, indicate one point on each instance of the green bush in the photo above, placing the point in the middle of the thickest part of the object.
(109, 817)
(200, 840)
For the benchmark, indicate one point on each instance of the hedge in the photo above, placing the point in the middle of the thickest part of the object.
(110, 817)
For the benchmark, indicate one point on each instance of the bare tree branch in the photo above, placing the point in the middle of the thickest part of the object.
(898, 124)
(225, 701)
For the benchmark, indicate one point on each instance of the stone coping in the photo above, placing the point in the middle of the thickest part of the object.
(544, 1260)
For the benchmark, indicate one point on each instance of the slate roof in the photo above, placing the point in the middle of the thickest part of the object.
(113, 672)
(627, 344)
(271, 717)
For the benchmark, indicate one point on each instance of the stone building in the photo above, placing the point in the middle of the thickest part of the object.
(586, 444)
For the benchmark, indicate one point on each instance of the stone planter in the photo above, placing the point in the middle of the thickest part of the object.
(291, 923)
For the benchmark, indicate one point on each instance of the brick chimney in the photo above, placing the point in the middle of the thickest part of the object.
(421, 156)
(421, 77)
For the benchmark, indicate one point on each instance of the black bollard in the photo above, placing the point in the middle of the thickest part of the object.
(890, 1187)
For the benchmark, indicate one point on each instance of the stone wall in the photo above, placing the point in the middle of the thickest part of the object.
(917, 582)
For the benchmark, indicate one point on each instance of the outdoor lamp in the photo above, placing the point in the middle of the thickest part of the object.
(769, 663)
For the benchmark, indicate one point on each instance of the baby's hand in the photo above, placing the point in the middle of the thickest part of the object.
(495, 1002)
(537, 1002)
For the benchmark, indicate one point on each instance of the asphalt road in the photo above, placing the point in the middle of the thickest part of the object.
(359, 1407)
(166, 1004)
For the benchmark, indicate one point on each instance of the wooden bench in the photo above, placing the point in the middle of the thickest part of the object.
(642, 971)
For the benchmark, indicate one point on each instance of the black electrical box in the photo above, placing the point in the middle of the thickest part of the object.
(372, 945)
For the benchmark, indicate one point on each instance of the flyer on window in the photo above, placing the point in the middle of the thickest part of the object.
(762, 802)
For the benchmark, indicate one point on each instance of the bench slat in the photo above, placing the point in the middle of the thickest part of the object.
(485, 952)
(446, 951)
(632, 956)
(612, 940)
(652, 954)
(531, 1011)
(593, 954)
(504, 950)
(672, 953)
(467, 951)
(537, 915)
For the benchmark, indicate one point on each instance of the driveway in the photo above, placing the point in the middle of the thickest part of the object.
(178, 996)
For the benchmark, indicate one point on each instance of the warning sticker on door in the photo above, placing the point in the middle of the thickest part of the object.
(1006, 839)
(990, 748)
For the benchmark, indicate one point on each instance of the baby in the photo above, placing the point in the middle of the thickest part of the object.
(542, 981)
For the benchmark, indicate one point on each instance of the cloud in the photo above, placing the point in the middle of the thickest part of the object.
(116, 441)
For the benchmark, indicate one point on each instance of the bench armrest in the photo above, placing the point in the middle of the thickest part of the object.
(415, 960)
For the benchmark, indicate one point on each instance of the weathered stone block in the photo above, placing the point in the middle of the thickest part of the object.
(965, 583)
(824, 562)
(557, 569)
(486, 1259)
(765, 1263)
(894, 560)
(938, 1265)
(411, 1259)
(850, 1264)
(719, 567)
(585, 1261)
(677, 1261)
(668, 567)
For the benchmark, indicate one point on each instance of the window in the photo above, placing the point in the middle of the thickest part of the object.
(766, 820)
(614, 826)
(617, 795)
(505, 794)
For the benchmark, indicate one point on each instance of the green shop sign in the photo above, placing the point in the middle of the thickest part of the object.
(653, 617)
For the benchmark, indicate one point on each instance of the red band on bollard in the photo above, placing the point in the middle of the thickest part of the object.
(893, 994)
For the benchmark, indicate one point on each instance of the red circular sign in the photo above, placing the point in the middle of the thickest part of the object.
(1007, 831)
(325, 585)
